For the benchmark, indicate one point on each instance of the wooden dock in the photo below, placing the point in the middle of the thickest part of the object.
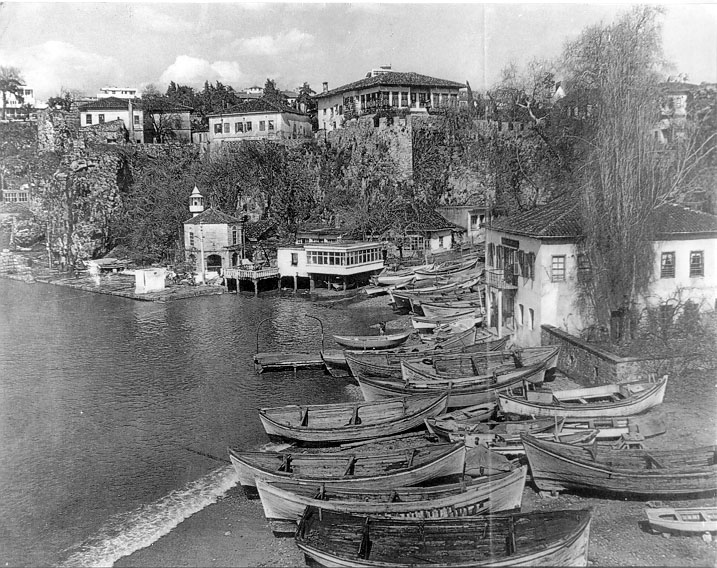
(283, 361)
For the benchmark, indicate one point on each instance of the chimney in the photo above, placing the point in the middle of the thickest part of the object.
(131, 120)
(326, 86)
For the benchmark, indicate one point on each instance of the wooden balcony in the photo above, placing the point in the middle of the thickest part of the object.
(243, 274)
(496, 278)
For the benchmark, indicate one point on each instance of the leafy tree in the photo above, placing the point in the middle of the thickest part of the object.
(10, 83)
(308, 104)
(271, 93)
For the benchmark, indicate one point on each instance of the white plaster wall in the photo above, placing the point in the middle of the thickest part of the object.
(283, 262)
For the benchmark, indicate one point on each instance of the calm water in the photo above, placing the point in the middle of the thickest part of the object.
(108, 405)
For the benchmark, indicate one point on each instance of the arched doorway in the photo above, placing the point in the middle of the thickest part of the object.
(214, 263)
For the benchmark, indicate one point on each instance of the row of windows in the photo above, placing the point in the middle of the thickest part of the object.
(343, 258)
(697, 264)
(521, 262)
(521, 317)
(16, 196)
(234, 239)
(101, 118)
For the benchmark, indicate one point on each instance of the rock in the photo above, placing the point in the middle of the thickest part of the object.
(228, 533)
(707, 537)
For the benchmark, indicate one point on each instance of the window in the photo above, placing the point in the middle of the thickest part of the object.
(136, 119)
(238, 127)
(262, 126)
(521, 314)
(226, 128)
(667, 265)
(271, 125)
(557, 269)
(584, 268)
(697, 263)
(294, 259)
(234, 235)
(531, 318)
(440, 242)
(248, 126)
(88, 120)
(191, 238)
(218, 128)
(101, 119)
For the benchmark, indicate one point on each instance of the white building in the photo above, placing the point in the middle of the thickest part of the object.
(14, 103)
(384, 89)
(118, 92)
(533, 267)
(108, 109)
(258, 119)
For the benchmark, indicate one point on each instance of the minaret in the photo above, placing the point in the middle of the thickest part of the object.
(196, 202)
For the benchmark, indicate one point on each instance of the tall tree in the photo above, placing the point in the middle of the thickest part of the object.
(10, 83)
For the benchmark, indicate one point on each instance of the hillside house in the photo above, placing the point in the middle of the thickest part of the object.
(471, 217)
(165, 121)
(109, 109)
(534, 265)
(258, 119)
(384, 89)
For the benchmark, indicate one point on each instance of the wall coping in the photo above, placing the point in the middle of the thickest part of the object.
(598, 351)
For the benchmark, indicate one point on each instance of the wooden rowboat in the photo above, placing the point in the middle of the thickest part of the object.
(372, 341)
(447, 269)
(350, 421)
(557, 467)
(556, 538)
(475, 420)
(442, 366)
(347, 469)
(286, 501)
(666, 519)
(438, 309)
(425, 323)
(624, 399)
(462, 392)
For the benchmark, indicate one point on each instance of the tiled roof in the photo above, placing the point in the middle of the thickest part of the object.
(109, 103)
(421, 217)
(212, 217)
(257, 106)
(561, 219)
(165, 106)
(558, 219)
(676, 220)
(393, 79)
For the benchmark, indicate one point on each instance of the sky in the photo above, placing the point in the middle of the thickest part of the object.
(85, 45)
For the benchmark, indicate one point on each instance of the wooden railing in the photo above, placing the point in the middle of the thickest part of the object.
(242, 274)
(496, 277)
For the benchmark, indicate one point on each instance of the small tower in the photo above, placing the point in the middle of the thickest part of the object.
(196, 202)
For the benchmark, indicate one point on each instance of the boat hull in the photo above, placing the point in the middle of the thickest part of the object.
(682, 520)
(559, 467)
(502, 492)
(372, 341)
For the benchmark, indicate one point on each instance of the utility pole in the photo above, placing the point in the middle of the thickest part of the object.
(201, 253)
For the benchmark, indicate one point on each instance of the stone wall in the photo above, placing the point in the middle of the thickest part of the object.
(590, 365)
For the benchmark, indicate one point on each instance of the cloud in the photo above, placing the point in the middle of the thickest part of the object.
(194, 71)
(155, 19)
(54, 64)
(286, 42)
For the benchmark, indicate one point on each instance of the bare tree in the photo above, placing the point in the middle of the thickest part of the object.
(10, 83)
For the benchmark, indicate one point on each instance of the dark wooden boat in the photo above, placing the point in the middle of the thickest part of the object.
(614, 400)
(372, 341)
(347, 469)
(556, 467)
(285, 501)
(556, 538)
(350, 421)
(462, 392)
(451, 268)
(475, 420)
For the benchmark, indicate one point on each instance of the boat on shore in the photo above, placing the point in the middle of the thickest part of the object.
(557, 467)
(613, 400)
(555, 538)
(451, 268)
(351, 421)
(449, 307)
(426, 323)
(665, 519)
(284, 502)
(462, 392)
(387, 341)
(347, 469)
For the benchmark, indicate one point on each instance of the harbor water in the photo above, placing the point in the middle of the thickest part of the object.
(116, 415)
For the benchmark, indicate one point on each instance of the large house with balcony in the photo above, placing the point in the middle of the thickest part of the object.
(534, 266)
(384, 89)
(258, 119)
(14, 104)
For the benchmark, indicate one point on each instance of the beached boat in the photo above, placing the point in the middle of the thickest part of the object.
(424, 323)
(388, 277)
(555, 538)
(666, 519)
(446, 308)
(347, 469)
(286, 501)
(454, 365)
(476, 420)
(613, 400)
(446, 330)
(462, 392)
(401, 299)
(388, 364)
(350, 421)
(557, 467)
(387, 341)
(451, 268)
